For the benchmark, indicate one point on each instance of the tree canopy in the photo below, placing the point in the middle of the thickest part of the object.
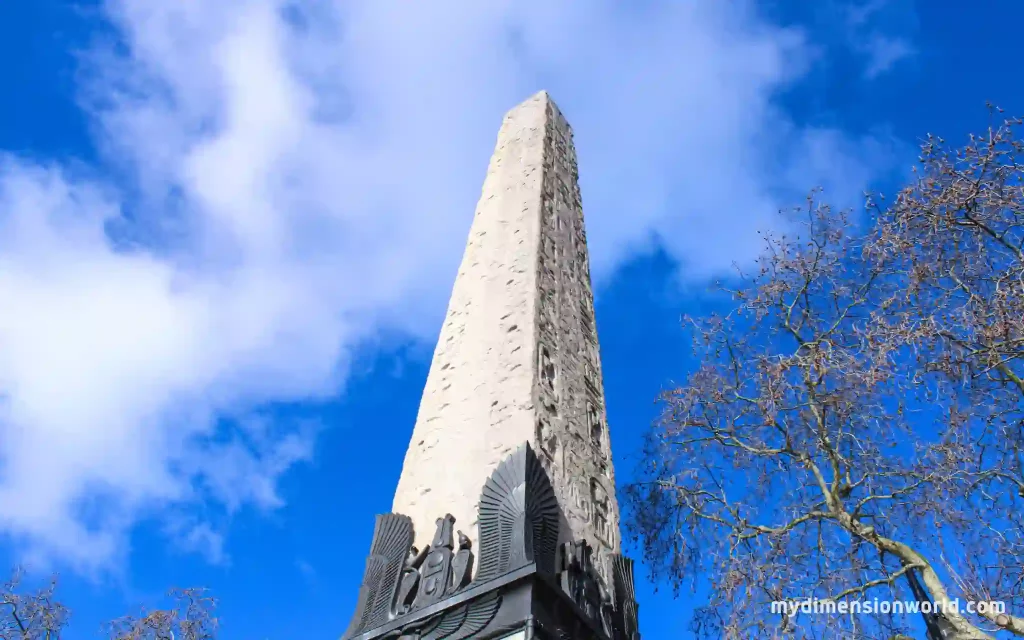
(853, 427)
(27, 614)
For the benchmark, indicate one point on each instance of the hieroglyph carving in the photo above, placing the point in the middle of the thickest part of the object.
(518, 517)
(573, 436)
(436, 576)
(581, 581)
(517, 359)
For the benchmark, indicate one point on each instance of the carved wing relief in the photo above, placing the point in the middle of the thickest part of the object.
(392, 540)
(518, 517)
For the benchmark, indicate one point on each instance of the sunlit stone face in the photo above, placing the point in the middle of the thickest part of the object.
(517, 359)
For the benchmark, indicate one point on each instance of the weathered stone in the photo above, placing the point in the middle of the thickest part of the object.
(517, 360)
(511, 441)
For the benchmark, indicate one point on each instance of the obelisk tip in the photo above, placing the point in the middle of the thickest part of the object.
(541, 99)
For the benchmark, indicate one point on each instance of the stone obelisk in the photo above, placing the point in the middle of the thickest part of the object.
(510, 450)
(517, 360)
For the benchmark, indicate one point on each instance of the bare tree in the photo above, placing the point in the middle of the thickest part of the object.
(39, 616)
(190, 619)
(853, 429)
(33, 616)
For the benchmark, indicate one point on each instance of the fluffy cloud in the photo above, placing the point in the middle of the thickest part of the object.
(281, 180)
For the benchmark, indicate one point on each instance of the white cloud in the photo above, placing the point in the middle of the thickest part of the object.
(868, 28)
(198, 537)
(883, 52)
(285, 179)
(306, 569)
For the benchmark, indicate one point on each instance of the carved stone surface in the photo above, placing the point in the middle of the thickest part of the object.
(392, 540)
(410, 583)
(453, 624)
(580, 579)
(626, 609)
(511, 440)
(411, 594)
(462, 565)
(435, 574)
(517, 359)
(519, 517)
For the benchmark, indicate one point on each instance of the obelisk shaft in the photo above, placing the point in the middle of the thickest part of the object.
(517, 360)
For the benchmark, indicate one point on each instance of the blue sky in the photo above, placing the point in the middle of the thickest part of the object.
(228, 230)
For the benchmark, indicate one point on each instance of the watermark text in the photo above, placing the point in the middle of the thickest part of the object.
(815, 606)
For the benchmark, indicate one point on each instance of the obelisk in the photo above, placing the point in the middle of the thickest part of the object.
(504, 523)
(517, 360)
